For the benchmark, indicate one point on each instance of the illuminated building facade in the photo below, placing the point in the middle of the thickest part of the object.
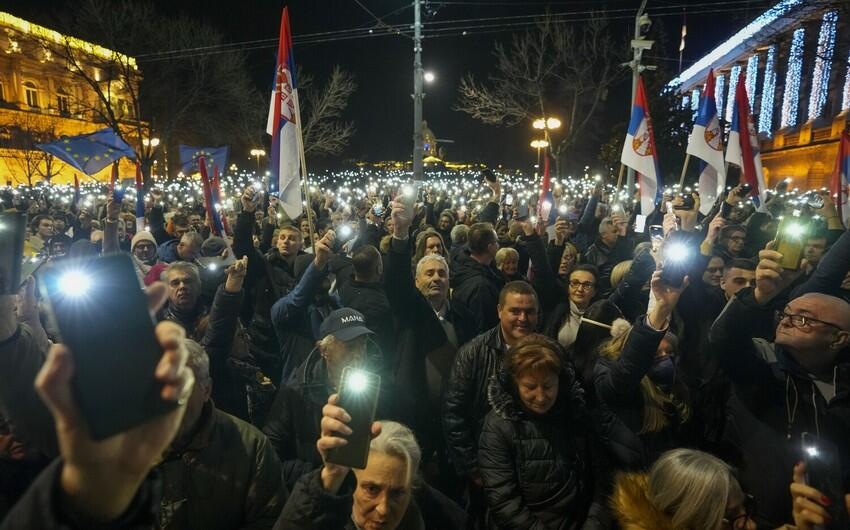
(796, 61)
(43, 98)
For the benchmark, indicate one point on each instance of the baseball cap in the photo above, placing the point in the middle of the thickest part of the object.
(344, 324)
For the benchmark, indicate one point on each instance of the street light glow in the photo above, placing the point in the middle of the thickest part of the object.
(546, 123)
(258, 152)
(429, 77)
(150, 142)
(539, 144)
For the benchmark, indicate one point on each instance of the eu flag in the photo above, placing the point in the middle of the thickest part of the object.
(90, 152)
(214, 156)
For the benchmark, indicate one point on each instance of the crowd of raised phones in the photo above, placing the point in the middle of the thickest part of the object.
(602, 370)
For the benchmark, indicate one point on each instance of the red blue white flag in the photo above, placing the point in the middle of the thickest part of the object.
(639, 151)
(840, 184)
(282, 126)
(743, 149)
(706, 143)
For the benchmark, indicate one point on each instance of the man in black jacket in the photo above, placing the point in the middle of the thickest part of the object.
(609, 249)
(465, 403)
(800, 383)
(476, 281)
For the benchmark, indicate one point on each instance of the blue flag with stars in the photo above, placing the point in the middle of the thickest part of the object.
(214, 156)
(90, 152)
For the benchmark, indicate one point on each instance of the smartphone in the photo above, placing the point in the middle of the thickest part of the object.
(745, 190)
(675, 262)
(687, 203)
(358, 396)
(13, 231)
(522, 212)
(790, 241)
(509, 199)
(378, 210)
(409, 193)
(640, 223)
(101, 313)
(823, 472)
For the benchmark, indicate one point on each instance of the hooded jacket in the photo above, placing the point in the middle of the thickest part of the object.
(476, 287)
(773, 401)
(540, 471)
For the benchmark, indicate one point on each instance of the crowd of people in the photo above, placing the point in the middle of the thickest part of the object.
(574, 365)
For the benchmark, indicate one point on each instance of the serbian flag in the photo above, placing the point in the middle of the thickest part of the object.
(209, 203)
(78, 200)
(743, 149)
(140, 200)
(282, 126)
(706, 143)
(841, 179)
(639, 151)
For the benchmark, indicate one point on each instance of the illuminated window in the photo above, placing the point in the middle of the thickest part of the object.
(752, 78)
(63, 102)
(823, 65)
(791, 97)
(719, 93)
(31, 94)
(768, 93)
(733, 86)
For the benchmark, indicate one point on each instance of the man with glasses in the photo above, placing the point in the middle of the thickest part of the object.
(799, 383)
(731, 242)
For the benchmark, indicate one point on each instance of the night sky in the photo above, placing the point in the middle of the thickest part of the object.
(382, 107)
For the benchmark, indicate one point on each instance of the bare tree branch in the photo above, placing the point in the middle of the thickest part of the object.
(321, 109)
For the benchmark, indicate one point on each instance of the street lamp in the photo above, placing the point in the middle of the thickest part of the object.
(429, 77)
(258, 153)
(150, 142)
(539, 144)
(546, 123)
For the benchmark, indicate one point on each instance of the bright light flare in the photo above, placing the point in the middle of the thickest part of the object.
(676, 252)
(795, 230)
(74, 283)
(357, 382)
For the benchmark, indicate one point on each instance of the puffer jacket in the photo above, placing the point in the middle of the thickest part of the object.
(465, 403)
(631, 505)
(228, 477)
(476, 287)
(541, 471)
(310, 507)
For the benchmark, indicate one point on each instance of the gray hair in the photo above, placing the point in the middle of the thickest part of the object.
(460, 234)
(431, 257)
(503, 253)
(693, 487)
(192, 238)
(605, 224)
(189, 268)
(399, 441)
(199, 362)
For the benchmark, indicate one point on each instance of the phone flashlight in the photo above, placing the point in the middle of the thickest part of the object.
(407, 191)
(74, 283)
(344, 231)
(812, 451)
(562, 209)
(212, 266)
(676, 252)
(357, 381)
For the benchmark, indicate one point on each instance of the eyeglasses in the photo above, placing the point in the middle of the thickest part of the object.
(575, 284)
(804, 322)
(739, 521)
(736, 239)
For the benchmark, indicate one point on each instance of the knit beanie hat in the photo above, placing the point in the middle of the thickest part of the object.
(142, 236)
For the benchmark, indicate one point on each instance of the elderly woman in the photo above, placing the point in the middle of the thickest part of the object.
(386, 495)
(684, 489)
(538, 456)
(507, 261)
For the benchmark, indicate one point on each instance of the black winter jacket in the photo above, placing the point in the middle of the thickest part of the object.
(476, 287)
(465, 404)
(541, 471)
(310, 507)
(773, 402)
(370, 299)
(604, 258)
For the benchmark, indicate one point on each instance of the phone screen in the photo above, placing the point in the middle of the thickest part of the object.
(13, 230)
(790, 241)
(640, 223)
(823, 472)
(358, 396)
(102, 314)
(509, 199)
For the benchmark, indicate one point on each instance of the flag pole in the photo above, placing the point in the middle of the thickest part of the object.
(620, 177)
(684, 169)
(305, 188)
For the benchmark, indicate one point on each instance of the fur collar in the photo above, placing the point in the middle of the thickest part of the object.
(632, 507)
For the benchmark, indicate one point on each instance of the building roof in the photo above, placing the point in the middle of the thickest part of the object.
(781, 17)
(10, 21)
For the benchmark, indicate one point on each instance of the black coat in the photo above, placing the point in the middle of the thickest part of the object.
(370, 299)
(773, 401)
(541, 471)
(465, 404)
(310, 507)
(476, 287)
(604, 258)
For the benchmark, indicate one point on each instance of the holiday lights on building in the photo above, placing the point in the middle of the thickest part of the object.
(791, 97)
(695, 95)
(720, 93)
(752, 78)
(845, 103)
(768, 92)
(823, 65)
(733, 85)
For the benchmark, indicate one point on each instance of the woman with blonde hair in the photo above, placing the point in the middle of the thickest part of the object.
(507, 261)
(635, 377)
(684, 490)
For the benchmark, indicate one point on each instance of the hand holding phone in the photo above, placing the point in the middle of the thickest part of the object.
(358, 399)
(823, 473)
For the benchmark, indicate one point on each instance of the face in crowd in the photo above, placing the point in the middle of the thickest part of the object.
(305, 229)
(582, 288)
(814, 250)
(510, 266)
(45, 228)
(382, 494)
(538, 390)
(517, 316)
(182, 230)
(183, 288)
(445, 223)
(432, 280)
(195, 222)
(815, 329)
(433, 246)
(338, 354)
(735, 241)
(735, 279)
(145, 251)
(608, 233)
(568, 261)
(187, 248)
(59, 225)
(713, 272)
(289, 242)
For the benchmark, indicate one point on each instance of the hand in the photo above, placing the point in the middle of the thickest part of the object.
(808, 504)
(560, 231)
(402, 218)
(334, 422)
(527, 227)
(734, 196)
(495, 189)
(113, 210)
(689, 217)
(714, 228)
(100, 478)
(248, 199)
(236, 275)
(771, 278)
(322, 251)
(666, 297)
(620, 223)
(670, 223)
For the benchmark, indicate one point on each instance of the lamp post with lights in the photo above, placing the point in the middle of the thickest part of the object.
(257, 153)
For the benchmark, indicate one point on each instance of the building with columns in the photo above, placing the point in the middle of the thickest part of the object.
(796, 60)
(44, 95)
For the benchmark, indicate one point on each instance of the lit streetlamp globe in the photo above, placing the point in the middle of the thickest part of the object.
(429, 77)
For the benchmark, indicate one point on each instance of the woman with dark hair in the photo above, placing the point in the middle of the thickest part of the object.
(429, 241)
(537, 452)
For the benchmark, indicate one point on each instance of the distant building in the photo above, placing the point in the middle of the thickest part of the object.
(796, 60)
(42, 98)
